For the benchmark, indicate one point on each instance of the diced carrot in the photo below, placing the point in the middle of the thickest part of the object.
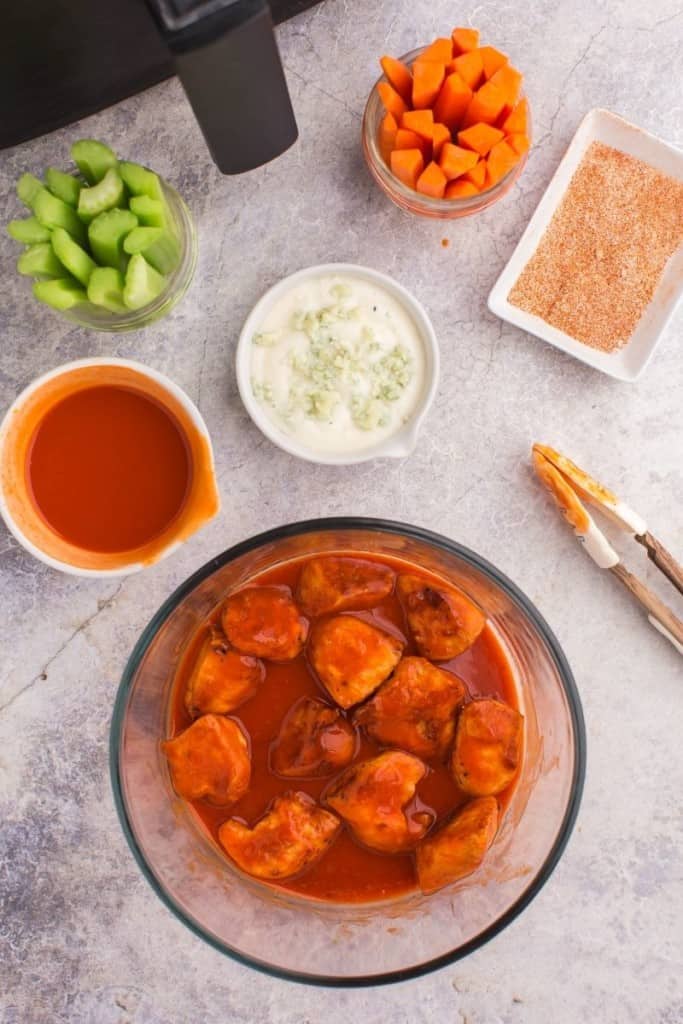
(399, 77)
(419, 121)
(477, 174)
(455, 161)
(464, 40)
(500, 160)
(407, 165)
(428, 76)
(432, 181)
(509, 81)
(459, 189)
(452, 101)
(405, 139)
(519, 142)
(393, 104)
(387, 135)
(440, 134)
(480, 137)
(518, 120)
(486, 105)
(440, 50)
(492, 59)
(470, 67)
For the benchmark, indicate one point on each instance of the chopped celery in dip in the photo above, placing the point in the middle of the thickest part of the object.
(338, 364)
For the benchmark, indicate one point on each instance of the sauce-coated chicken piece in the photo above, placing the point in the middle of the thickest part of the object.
(264, 622)
(314, 740)
(333, 584)
(444, 621)
(221, 679)
(374, 797)
(210, 761)
(293, 834)
(488, 747)
(352, 658)
(415, 709)
(458, 848)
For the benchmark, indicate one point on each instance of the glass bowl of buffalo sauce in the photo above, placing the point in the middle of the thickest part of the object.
(106, 466)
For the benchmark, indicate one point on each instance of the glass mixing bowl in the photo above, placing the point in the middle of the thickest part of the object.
(348, 944)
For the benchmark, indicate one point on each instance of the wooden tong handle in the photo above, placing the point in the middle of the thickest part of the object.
(650, 601)
(663, 559)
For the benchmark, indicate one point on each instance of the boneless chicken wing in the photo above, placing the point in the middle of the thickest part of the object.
(333, 584)
(264, 622)
(459, 847)
(415, 709)
(314, 740)
(210, 761)
(443, 621)
(488, 747)
(293, 834)
(221, 679)
(374, 797)
(351, 657)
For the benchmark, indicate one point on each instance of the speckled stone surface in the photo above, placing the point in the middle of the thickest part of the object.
(83, 939)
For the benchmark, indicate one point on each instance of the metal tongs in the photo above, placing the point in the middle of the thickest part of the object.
(568, 484)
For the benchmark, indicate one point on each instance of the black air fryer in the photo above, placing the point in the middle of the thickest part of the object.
(61, 60)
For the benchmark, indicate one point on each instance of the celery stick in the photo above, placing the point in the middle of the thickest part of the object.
(109, 192)
(93, 159)
(106, 234)
(62, 185)
(143, 283)
(152, 213)
(140, 181)
(61, 294)
(70, 253)
(55, 213)
(39, 260)
(105, 288)
(158, 247)
(28, 188)
(28, 230)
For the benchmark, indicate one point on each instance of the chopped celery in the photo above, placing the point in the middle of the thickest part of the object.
(61, 294)
(159, 248)
(40, 260)
(107, 193)
(70, 253)
(29, 231)
(140, 181)
(152, 213)
(106, 234)
(28, 188)
(105, 288)
(93, 159)
(55, 213)
(62, 185)
(143, 283)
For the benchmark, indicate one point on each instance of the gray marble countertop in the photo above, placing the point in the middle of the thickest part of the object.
(82, 936)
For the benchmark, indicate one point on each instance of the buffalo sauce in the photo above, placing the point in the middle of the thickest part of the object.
(348, 872)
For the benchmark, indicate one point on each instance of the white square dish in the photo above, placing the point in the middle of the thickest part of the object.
(629, 361)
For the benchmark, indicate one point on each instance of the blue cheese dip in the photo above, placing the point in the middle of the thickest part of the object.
(338, 364)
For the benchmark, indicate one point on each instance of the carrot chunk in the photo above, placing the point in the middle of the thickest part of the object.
(492, 59)
(500, 160)
(428, 76)
(452, 101)
(476, 175)
(486, 105)
(393, 104)
(399, 77)
(387, 135)
(405, 139)
(509, 81)
(455, 161)
(519, 142)
(470, 67)
(419, 121)
(440, 50)
(432, 181)
(407, 165)
(480, 137)
(464, 40)
(459, 189)
(518, 120)
(440, 134)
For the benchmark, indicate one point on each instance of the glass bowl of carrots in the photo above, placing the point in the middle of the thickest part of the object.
(446, 130)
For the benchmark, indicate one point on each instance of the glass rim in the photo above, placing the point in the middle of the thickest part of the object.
(513, 592)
